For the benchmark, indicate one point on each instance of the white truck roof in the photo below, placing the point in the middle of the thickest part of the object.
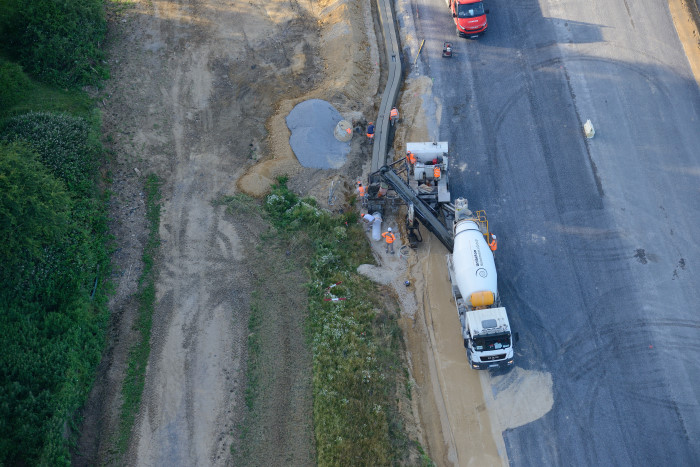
(488, 320)
(427, 151)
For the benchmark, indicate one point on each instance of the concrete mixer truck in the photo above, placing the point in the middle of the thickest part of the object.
(484, 322)
(485, 327)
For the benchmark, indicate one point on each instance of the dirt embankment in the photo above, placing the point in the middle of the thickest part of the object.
(198, 96)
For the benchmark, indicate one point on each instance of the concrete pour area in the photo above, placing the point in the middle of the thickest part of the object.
(312, 124)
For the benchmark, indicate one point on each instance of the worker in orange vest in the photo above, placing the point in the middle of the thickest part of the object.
(436, 173)
(370, 131)
(389, 237)
(393, 115)
(492, 243)
(411, 159)
(361, 190)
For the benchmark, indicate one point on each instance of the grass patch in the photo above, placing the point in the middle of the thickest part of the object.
(355, 343)
(132, 388)
(19, 94)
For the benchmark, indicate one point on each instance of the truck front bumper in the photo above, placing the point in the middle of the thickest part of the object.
(492, 365)
(473, 34)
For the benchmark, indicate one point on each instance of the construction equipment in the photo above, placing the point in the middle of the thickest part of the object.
(485, 327)
(484, 322)
(447, 49)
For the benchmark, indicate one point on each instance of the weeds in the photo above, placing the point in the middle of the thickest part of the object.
(355, 344)
(132, 388)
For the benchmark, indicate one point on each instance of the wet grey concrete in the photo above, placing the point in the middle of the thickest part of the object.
(312, 124)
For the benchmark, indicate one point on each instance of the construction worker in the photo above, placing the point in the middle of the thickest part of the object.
(389, 237)
(393, 115)
(370, 131)
(411, 160)
(436, 172)
(492, 243)
(361, 191)
(368, 219)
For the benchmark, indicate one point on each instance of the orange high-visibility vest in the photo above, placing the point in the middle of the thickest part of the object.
(436, 173)
(361, 191)
(393, 113)
(493, 244)
(411, 158)
(389, 237)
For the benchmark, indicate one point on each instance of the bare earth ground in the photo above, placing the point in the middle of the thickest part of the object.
(199, 94)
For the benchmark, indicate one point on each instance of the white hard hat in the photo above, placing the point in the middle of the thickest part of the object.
(389, 229)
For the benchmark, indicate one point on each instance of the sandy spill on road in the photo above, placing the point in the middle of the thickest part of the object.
(463, 412)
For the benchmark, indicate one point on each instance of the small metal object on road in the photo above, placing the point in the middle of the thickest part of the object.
(447, 49)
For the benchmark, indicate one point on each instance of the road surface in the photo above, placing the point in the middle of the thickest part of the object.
(597, 253)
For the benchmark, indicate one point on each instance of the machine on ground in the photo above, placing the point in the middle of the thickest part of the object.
(424, 188)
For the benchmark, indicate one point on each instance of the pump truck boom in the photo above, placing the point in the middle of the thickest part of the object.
(485, 328)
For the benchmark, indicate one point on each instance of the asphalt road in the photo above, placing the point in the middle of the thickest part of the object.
(598, 254)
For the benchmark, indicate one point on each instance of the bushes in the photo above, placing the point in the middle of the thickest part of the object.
(53, 225)
(56, 41)
(52, 254)
(13, 83)
(66, 146)
(355, 343)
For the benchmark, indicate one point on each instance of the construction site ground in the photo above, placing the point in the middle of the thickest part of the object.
(198, 96)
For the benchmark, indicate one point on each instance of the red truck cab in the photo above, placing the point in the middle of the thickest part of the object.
(470, 17)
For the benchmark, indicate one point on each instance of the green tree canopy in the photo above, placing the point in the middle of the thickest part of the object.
(56, 41)
(34, 206)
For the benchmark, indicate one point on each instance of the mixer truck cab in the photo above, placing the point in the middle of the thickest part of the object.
(472, 270)
(488, 338)
(470, 17)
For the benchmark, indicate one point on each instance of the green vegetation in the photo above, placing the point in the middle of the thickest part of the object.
(52, 257)
(56, 42)
(355, 343)
(134, 380)
(53, 221)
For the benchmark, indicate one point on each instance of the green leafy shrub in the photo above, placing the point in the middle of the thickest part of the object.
(67, 146)
(13, 83)
(354, 342)
(52, 332)
(58, 42)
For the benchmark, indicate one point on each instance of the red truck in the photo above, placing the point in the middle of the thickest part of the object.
(469, 16)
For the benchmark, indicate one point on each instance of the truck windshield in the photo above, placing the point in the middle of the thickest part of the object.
(471, 10)
(494, 342)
